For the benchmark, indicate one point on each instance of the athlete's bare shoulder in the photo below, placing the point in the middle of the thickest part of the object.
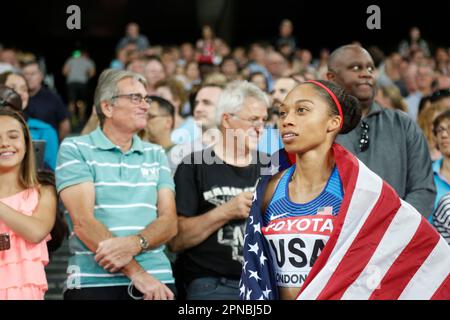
(271, 186)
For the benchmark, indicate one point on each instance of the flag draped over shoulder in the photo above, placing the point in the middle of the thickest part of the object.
(380, 248)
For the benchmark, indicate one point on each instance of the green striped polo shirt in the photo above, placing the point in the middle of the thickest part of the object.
(126, 194)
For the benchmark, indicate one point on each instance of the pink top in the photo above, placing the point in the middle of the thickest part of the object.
(22, 273)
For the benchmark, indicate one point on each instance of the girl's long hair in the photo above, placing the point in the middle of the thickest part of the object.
(28, 173)
(425, 121)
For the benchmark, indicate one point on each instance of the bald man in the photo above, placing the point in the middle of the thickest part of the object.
(281, 88)
(389, 142)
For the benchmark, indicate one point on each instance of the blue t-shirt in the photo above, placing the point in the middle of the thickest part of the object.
(40, 130)
(442, 186)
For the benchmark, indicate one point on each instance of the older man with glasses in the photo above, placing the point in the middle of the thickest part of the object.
(214, 192)
(387, 141)
(119, 194)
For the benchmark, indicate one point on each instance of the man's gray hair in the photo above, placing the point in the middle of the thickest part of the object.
(107, 88)
(232, 98)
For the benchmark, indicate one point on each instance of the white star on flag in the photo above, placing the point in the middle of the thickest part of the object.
(254, 274)
(245, 265)
(262, 258)
(254, 248)
(266, 293)
(251, 220)
(257, 228)
(242, 290)
(245, 237)
(255, 193)
(249, 292)
(261, 298)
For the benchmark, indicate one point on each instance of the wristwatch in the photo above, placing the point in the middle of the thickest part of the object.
(143, 243)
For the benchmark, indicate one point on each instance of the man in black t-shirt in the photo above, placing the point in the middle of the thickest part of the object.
(214, 192)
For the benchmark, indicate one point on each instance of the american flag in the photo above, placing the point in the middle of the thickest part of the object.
(325, 211)
(380, 248)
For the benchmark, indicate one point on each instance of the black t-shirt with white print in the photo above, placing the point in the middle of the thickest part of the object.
(203, 182)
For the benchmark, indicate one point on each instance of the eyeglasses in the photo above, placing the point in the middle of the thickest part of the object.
(151, 116)
(440, 130)
(255, 123)
(364, 139)
(135, 98)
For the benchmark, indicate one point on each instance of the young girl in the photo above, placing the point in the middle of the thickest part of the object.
(39, 130)
(27, 213)
(328, 227)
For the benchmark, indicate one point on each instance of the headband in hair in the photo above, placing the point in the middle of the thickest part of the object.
(333, 96)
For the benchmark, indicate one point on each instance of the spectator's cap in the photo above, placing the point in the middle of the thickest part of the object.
(10, 98)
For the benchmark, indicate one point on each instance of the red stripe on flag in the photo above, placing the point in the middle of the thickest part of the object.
(407, 263)
(348, 169)
(364, 245)
(443, 293)
(292, 158)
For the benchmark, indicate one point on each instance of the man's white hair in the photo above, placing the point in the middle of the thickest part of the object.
(232, 98)
(107, 87)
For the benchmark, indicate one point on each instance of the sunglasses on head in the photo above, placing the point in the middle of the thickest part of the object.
(439, 94)
(6, 104)
(364, 139)
(10, 98)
